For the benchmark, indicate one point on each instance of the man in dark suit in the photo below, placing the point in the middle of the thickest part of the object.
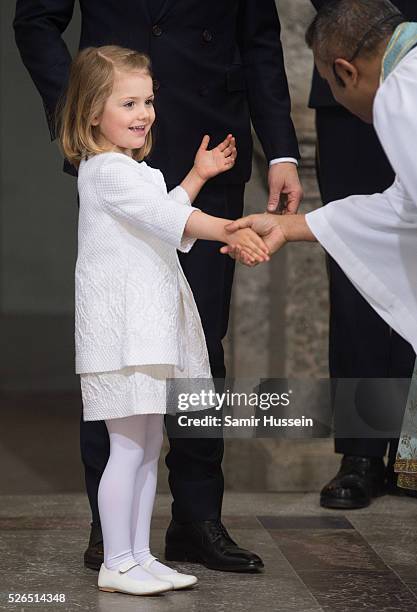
(217, 66)
(350, 160)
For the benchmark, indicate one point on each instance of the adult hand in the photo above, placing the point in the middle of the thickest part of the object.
(283, 181)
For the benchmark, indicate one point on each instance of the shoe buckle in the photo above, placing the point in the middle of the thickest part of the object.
(125, 567)
(146, 564)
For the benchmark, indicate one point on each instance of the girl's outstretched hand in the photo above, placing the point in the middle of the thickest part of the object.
(220, 159)
(247, 246)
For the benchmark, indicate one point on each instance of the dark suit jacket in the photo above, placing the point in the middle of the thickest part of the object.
(320, 95)
(217, 65)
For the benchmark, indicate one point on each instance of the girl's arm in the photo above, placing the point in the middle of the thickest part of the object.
(129, 198)
(206, 227)
(193, 183)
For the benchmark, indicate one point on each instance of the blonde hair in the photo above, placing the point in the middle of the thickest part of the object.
(90, 84)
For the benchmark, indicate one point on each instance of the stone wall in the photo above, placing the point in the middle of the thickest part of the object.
(279, 314)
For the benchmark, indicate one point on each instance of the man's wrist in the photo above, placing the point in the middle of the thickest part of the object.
(285, 226)
(295, 229)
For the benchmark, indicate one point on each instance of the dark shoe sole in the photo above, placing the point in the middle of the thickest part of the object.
(348, 504)
(343, 504)
(179, 554)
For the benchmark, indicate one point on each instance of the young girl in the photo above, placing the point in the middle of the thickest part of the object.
(136, 322)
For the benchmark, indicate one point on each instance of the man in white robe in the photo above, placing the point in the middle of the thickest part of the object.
(373, 238)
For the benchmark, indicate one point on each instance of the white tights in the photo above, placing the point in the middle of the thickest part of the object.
(127, 491)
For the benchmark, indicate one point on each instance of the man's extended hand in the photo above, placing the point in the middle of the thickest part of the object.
(266, 226)
(283, 180)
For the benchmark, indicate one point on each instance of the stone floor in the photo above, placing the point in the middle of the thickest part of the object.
(315, 560)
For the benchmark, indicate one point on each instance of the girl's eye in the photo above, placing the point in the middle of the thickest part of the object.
(129, 104)
(149, 102)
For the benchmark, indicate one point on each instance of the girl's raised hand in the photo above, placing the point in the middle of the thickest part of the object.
(220, 159)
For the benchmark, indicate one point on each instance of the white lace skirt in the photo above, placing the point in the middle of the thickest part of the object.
(121, 393)
(146, 389)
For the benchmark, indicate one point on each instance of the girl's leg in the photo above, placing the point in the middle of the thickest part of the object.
(145, 490)
(116, 490)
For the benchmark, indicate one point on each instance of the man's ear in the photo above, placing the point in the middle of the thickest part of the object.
(346, 71)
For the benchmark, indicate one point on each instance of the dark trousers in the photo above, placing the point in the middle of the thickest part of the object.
(350, 160)
(195, 472)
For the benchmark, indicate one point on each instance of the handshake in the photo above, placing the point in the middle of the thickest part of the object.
(251, 240)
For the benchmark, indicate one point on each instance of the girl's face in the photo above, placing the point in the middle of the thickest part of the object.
(128, 113)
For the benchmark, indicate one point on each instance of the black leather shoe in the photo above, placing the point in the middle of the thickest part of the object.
(356, 483)
(208, 543)
(393, 488)
(94, 555)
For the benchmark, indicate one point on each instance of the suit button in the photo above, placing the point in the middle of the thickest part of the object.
(156, 30)
(204, 91)
(207, 36)
(156, 85)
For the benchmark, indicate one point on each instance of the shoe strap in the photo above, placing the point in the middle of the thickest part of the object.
(146, 564)
(125, 567)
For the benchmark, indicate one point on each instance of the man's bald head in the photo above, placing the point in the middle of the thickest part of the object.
(341, 26)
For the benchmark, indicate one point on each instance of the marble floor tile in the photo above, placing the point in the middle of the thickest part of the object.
(412, 586)
(374, 522)
(305, 522)
(372, 591)
(406, 571)
(394, 539)
(327, 550)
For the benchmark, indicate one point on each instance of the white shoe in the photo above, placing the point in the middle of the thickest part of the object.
(178, 581)
(117, 580)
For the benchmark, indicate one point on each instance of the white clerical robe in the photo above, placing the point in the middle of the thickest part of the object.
(373, 238)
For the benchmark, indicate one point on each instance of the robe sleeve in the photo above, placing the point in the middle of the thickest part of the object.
(143, 204)
(374, 238)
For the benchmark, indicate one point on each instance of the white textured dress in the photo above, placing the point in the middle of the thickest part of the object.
(136, 322)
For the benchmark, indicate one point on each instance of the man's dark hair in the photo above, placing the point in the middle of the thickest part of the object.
(342, 26)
